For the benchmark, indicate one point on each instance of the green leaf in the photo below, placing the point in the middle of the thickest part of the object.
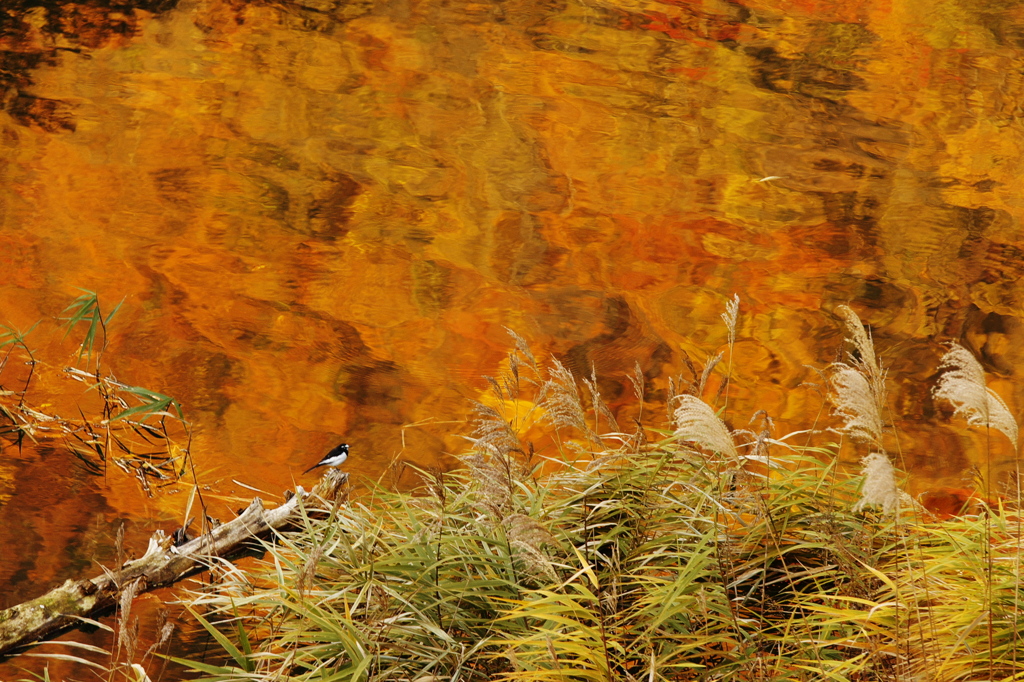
(240, 657)
(114, 312)
(232, 673)
(14, 337)
(152, 403)
(86, 308)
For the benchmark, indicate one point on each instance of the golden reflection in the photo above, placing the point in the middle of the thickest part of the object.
(322, 215)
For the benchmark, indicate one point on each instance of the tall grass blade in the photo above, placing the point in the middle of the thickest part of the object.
(243, 660)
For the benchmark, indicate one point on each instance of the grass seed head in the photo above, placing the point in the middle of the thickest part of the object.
(527, 537)
(696, 422)
(730, 316)
(562, 403)
(856, 403)
(493, 429)
(493, 476)
(879, 488)
(963, 385)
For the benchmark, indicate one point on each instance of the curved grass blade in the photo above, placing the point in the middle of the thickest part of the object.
(86, 308)
(153, 403)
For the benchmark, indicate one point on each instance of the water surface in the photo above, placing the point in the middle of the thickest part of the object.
(322, 215)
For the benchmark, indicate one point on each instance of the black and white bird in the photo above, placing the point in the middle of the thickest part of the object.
(334, 458)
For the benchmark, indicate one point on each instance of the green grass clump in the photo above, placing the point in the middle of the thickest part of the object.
(656, 564)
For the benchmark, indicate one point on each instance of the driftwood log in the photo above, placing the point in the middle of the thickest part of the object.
(64, 607)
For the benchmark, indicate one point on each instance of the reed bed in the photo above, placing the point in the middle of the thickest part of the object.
(698, 554)
(693, 552)
(653, 567)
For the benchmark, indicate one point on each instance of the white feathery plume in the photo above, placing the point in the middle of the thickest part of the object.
(562, 400)
(858, 391)
(732, 311)
(858, 386)
(856, 404)
(867, 362)
(879, 487)
(963, 384)
(493, 429)
(697, 422)
(523, 347)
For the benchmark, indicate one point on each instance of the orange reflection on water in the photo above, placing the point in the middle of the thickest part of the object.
(322, 216)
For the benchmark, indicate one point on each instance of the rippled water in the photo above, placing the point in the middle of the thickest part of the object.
(322, 215)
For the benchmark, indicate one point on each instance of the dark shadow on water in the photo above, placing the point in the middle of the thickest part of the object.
(35, 33)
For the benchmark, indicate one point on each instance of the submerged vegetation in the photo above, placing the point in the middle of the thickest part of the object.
(138, 430)
(691, 552)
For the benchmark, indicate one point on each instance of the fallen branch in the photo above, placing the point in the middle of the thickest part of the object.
(65, 607)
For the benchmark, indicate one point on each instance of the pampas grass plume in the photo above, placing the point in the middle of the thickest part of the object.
(865, 359)
(879, 487)
(856, 404)
(963, 385)
(858, 386)
(732, 311)
(562, 400)
(697, 422)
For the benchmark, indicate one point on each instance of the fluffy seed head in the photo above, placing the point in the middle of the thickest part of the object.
(963, 384)
(697, 422)
(879, 487)
(562, 400)
(527, 537)
(493, 476)
(856, 404)
(864, 359)
(858, 386)
(493, 429)
(731, 314)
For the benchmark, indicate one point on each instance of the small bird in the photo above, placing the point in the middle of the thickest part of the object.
(335, 457)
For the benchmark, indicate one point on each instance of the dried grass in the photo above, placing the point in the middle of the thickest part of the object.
(494, 430)
(856, 404)
(562, 405)
(730, 317)
(646, 565)
(649, 565)
(601, 410)
(494, 475)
